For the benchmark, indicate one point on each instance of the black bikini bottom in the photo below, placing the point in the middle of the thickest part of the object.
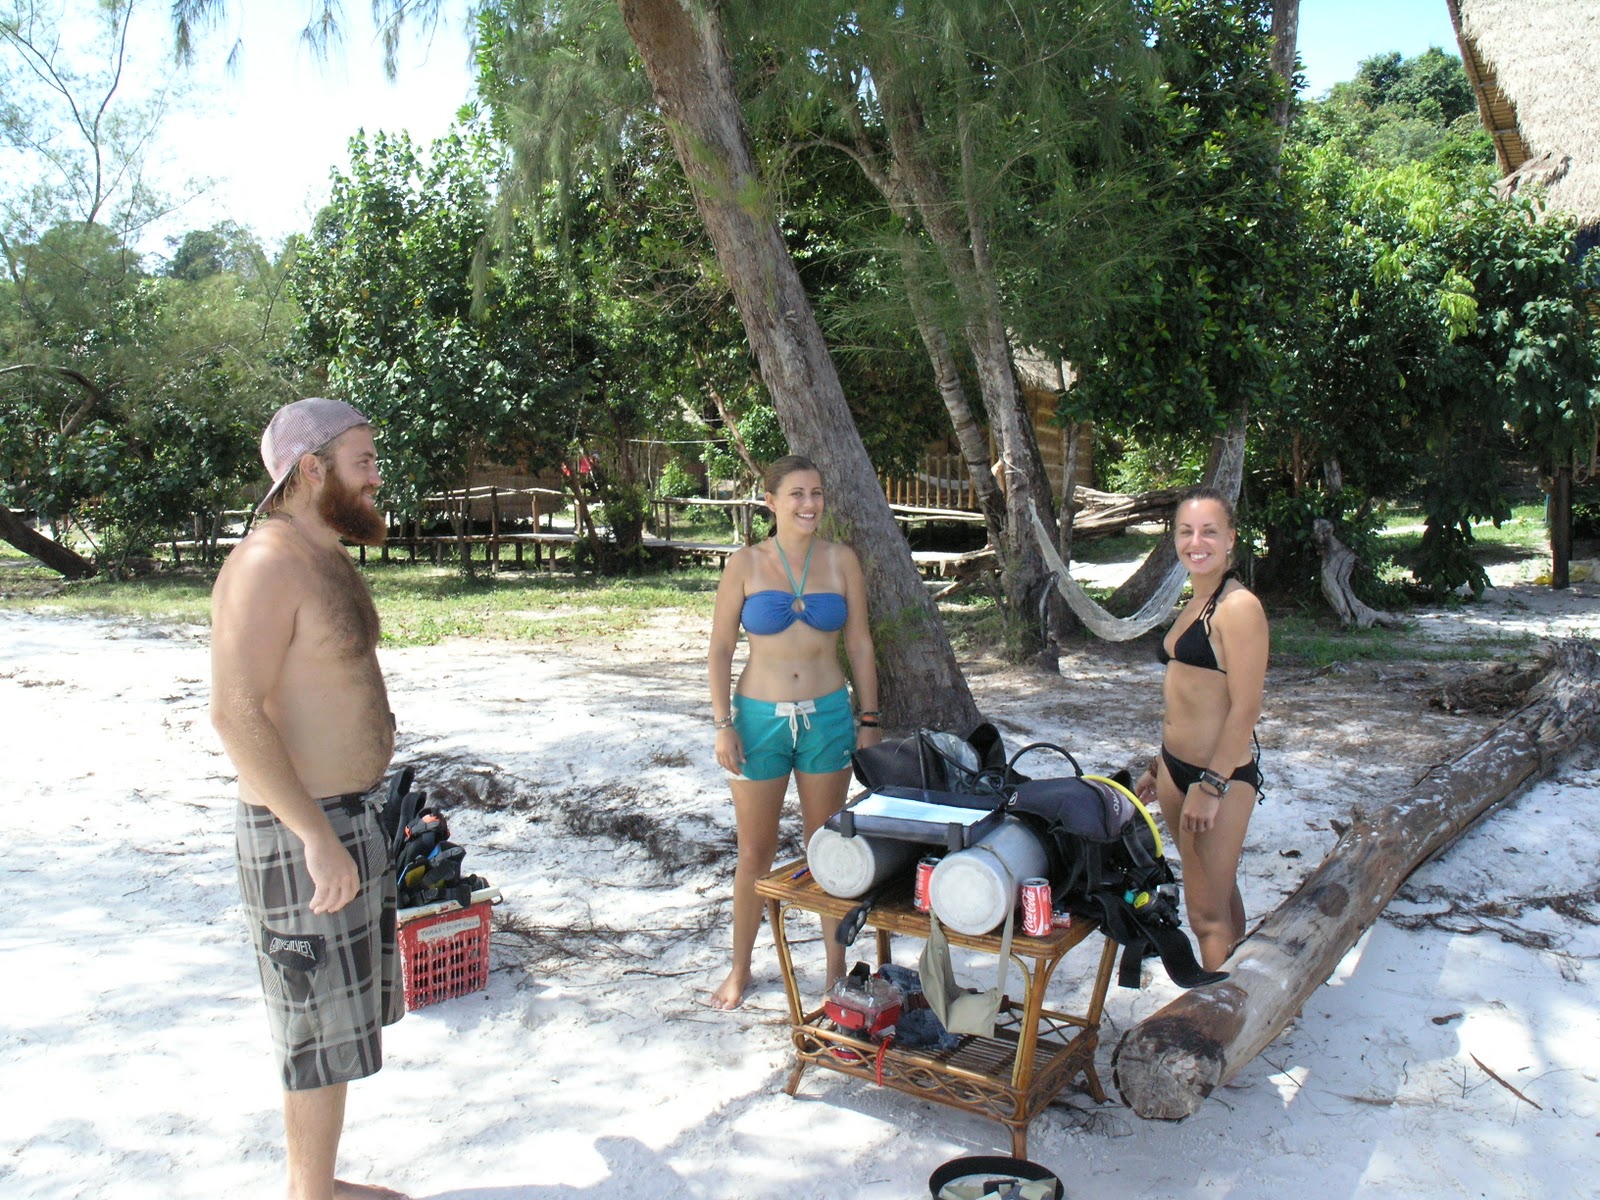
(1186, 775)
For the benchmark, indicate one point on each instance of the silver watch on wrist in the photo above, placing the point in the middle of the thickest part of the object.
(1215, 782)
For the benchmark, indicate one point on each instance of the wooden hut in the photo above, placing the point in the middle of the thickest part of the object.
(1043, 380)
(1536, 69)
(941, 480)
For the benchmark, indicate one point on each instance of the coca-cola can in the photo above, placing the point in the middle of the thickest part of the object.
(1036, 915)
(922, 892)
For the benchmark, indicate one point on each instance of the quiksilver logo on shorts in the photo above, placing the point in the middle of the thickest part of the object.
(294, 951)
(292, 945)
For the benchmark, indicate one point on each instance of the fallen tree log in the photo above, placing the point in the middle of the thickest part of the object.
(51, 553)
(1171, 1061)
(1100, 514)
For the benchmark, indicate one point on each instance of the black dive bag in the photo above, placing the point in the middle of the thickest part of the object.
(1104, 853)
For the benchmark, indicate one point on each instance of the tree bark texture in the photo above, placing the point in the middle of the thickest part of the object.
(17, 532)
(1171, 1061)
(1285, 35)
(1561, 526)
(1338, 563)
(963, 250)
(682, 48)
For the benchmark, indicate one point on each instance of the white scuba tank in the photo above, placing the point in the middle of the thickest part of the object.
(972, 890)
(849, 867)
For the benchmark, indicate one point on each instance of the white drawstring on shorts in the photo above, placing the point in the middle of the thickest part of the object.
(798, 712)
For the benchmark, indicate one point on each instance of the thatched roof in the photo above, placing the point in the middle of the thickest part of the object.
(1535, 65)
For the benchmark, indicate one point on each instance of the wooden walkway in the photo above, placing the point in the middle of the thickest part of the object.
(545, 548)
(545, 544)
(541, 550)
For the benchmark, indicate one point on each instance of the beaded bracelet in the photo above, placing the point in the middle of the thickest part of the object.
(722, 723)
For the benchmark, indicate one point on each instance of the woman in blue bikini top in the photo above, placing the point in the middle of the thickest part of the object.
(796, 595)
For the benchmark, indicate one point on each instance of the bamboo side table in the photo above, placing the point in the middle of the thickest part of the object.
(1010, 1077)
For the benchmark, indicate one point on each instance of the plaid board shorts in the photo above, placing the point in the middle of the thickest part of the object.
(332, 981)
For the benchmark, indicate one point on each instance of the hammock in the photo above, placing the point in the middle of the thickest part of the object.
(1100, 622)
(1229, 474)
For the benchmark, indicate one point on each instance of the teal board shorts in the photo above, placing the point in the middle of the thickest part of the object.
(813, 736)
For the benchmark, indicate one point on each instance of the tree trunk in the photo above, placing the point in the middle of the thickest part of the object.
(1338, 561)
(1560, 527)
(964, 254)
(1171, 1061)
(682, 48)
(1099, 514)
(732, 427)
(947, 373)
(1285, 33)
(14, 530)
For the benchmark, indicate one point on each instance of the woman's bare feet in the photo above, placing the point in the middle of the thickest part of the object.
(345, 1190)
(731, 994)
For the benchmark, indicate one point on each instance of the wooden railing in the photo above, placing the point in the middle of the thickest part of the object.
(940, 481)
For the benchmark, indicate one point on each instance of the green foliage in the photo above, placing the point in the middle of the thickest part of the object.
(677, 480)
(467, 345)
(1140, 466)
(1586, 519)
(129, 402)
(1312, 643)
(564, 89)
(418, 605)
(1401, 110)
(226, 248)
(950, 171)
(133, 402)
(1196, 339)
(1446, 334)
(1291, 565)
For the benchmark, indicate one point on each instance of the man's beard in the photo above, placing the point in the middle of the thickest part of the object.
(345, 511)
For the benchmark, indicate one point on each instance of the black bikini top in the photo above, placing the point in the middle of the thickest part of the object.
(1193, 648)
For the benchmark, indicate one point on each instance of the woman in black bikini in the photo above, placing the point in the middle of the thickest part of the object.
(1207, 777)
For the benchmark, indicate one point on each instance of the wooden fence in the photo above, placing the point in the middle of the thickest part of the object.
(940, 481)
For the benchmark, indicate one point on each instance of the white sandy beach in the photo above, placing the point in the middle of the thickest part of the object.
(136, 1064)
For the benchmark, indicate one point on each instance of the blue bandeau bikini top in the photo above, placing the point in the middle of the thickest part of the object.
(774, 611)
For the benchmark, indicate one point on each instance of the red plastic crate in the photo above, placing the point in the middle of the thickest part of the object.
(445, 955)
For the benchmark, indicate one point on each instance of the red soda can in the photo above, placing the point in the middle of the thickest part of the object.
(1036, 915)
(922, 892)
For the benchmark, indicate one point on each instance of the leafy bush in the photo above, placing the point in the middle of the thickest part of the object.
(677, 480)
(1586, 519)
(1142, 467)
(1445, 562)
(1292, 565)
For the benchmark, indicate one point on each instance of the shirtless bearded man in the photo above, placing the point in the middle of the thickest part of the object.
(299, 702)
